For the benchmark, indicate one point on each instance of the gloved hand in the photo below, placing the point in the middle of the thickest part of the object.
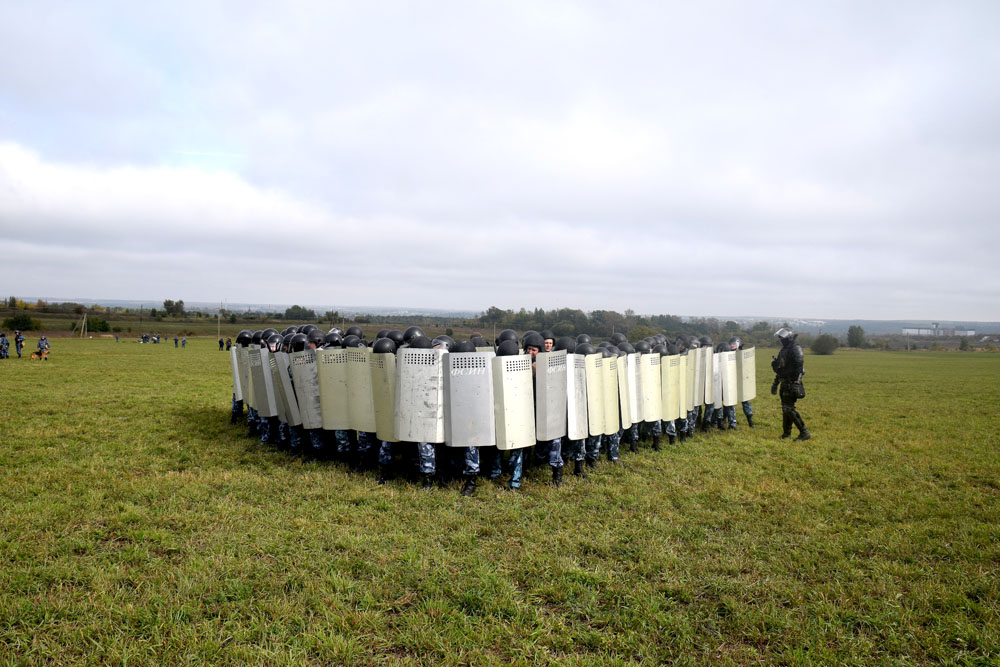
(774, 387)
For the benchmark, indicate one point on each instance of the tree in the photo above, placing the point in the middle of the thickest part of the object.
(825, 344)
(12, 302)
(855, 336)
(639, 332)
(22, 323)
(964, 344)
(299, 313)
(171, 307)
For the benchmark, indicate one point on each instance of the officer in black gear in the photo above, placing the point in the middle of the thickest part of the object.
(506, 334)
(788, 371)
(355, 331)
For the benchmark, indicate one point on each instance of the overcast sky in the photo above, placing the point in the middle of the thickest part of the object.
(834, 159)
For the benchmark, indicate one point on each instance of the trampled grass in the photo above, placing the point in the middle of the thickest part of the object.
(137, 526)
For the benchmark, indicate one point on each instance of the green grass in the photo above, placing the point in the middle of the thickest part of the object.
(137, 526)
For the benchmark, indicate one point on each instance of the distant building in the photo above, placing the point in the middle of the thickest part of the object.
(937, 331)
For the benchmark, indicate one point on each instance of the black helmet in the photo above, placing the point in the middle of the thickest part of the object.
(508, 348)
(244, 337)
(660, 349)
(332, 340)
(384, 346)
(349, 340)
(267, 333)
(256, 336)
(443, 343)
(618, 338)
(533, 339)
(672, 349)
(355, 331)
(585, 348)
(613, 349)
(603, 343)
(357, 342)
(479, 341)
(527, 333)
(421, 342)
(548, 335)
(627, 348)
(381, 333)
(274, 342)
(705, 341)
(285, 339)
(298, 342)
(396, 336)
(444, 337)
(289, 330)
(582, 338)
(506, 334)
(735, 343)
(606, 352)
(565, 343)
(411, 333)
(642, 347)
(306, 328)
(336, 330)
(315, 336)
(464, 346)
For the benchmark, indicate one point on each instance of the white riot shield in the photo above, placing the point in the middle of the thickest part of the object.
(468, 400)
(717, 380)
(688, 382)
(709, 372)
(263, 389)
(593, 363)
(699, 376)
(360, 404)
(237, 384)
(279, 391)
(623, 397)
(383, 369)
(243, 361)
(669, 386)
(292, 413)
(634, 388)
(514, 402)
(746, 371)
(550, 395)
(577, 423)
(420, 395)
(729, 378)
(611, 417)
(305, 376)
(332, 367)
(649, 378)
(486, 348)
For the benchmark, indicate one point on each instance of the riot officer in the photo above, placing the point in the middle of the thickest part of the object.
(242, 339)
(735, 344)
(545, 449)
(515, 462)
(789, 368)
(592, 445)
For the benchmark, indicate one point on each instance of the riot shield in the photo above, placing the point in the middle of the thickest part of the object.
(634, 388)
(577, 423)
(305, 376)
(709, 372)
(717, 380)
(243, 361)
(260, 368)
(383, 369)
(514, 402)
(649, 378)
(746, 371)
(623, 397)
(689, 382)
(360, 405)
(237, 384)
(593, 363)
(420, 395)
(292, 413)
(611, 417)
(669, 387)
(729, 378)
(279, 391)
(468, 404)
(550, 395)
(332, 370)
(699, 376)
(486, 348)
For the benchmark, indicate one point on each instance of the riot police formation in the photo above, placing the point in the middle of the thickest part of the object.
(437, 409)
(788, 369)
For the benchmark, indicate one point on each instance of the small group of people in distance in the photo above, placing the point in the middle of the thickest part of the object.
(43, 346)
(425, 462)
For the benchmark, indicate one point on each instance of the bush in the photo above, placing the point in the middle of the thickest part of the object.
(97, 324)
(639, 332)
(825, 344)
(22, 323)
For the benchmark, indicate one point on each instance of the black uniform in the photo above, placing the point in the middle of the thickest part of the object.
(789, 368)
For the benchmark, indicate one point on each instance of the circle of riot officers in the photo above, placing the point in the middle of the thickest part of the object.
(435, 409)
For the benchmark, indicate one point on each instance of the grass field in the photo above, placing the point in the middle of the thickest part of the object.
(137, 526)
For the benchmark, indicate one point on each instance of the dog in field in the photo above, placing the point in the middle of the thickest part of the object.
(44, 356)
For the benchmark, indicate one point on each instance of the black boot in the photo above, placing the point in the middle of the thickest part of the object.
(384, 474)
(591, 463)
(801, 425)
(578, 469)
(656, 443)
(683, 436)
(750, 421)
(556, 476)
(428, 482)
(786, 425)
(633, 445)
(672, 439)
(470, 485)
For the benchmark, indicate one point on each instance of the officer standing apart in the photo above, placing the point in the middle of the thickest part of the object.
(43, 348)
(4, 346)
(18, 342)
(789, 368)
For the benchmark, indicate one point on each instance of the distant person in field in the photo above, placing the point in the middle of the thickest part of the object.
(175, 341)
(789, 367)
(18, 342)
(43, 348)
(229, 343)
(184, 341)
(4, 346)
